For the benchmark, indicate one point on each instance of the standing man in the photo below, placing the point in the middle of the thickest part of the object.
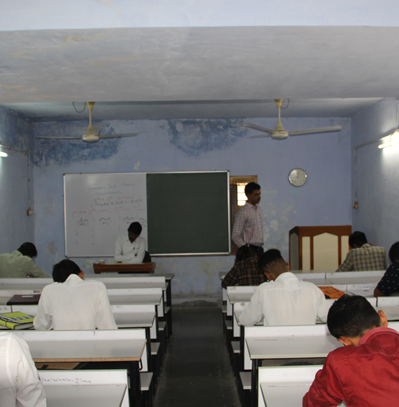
(19, 263)
(363, 256)
(247, 228)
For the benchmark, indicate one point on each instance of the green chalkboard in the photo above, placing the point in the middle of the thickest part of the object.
(188, 213)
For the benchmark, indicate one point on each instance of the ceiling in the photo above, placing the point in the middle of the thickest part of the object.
(197, 72)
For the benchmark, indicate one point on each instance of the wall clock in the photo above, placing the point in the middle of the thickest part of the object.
(297, 177)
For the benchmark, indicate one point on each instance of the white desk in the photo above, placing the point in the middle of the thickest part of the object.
(137, 296)
(129, 282)
(285, 386)
(90, 388)
(126, 316)
(284, 342)
(11, 286)
(358, 282)
(238, 294)
(288, 342)
(91, 346)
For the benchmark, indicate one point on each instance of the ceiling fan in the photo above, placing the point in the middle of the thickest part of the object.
(280, 133)
(92, 133)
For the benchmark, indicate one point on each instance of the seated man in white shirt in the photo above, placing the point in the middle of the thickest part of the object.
(284, 300)
(130, 249)
(20, 385)
(71, 303)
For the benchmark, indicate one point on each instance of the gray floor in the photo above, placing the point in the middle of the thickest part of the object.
(196, 370)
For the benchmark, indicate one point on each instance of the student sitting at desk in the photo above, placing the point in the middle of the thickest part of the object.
(19, 263)
(389, 283)
(131, 248)
(71, 303)
(20, 385)
(285, 300)
(245, 271)
(365, 372)
(363, 256)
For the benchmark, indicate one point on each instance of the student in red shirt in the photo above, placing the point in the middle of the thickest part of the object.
(365, 372)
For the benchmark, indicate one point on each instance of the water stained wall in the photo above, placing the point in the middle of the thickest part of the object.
(16, 184)
(196, 145)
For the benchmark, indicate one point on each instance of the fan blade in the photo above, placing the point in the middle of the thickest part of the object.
(260, 136)
(120, 135)
(320, 130)
(59, 137)
(256, 127)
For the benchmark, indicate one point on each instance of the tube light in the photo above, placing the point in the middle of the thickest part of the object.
(393, 140)
(3, 154)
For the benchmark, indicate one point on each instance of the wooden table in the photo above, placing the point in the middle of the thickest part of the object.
(123, 268)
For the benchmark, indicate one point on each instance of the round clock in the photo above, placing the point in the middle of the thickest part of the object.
(297, 177)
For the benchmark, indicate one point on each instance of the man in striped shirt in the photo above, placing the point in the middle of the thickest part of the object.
(247, 228)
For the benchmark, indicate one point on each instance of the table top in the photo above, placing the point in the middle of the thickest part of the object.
(111, 285)
(123, 268)
(353, 280)
(285, 386)
(288, 394)
(391, 312)
(145, 299)
(291, 347)
(134, 320)
(85, 396)
(99, 350)
(240, 297)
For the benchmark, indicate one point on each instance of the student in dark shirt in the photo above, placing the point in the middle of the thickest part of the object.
(245, 271)
(389, 284)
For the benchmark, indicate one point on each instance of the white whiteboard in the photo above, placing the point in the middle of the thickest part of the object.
(100, 207)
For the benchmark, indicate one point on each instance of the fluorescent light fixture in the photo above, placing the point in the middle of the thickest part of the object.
(3, 154)
(392, 140)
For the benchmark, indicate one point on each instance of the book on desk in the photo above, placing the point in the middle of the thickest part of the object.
(16, 320)
(24, 299)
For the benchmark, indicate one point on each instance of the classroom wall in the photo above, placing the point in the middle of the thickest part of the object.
(202, 13)
(16, 226)
(377, 174)
(189, 145)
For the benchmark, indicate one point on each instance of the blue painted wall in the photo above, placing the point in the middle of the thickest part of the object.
(189, 145)
(377, 174)
(16, 226)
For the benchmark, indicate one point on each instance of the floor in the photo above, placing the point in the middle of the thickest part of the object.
(196, 369)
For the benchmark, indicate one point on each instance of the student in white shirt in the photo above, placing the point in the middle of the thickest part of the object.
(71, 303)
(131, 248)
(284, 300)
(20, 385)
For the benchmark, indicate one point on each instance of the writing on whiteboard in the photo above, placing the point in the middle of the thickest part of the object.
(99, 208)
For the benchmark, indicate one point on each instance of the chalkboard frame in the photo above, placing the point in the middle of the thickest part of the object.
(197, 194)
(209, 227)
